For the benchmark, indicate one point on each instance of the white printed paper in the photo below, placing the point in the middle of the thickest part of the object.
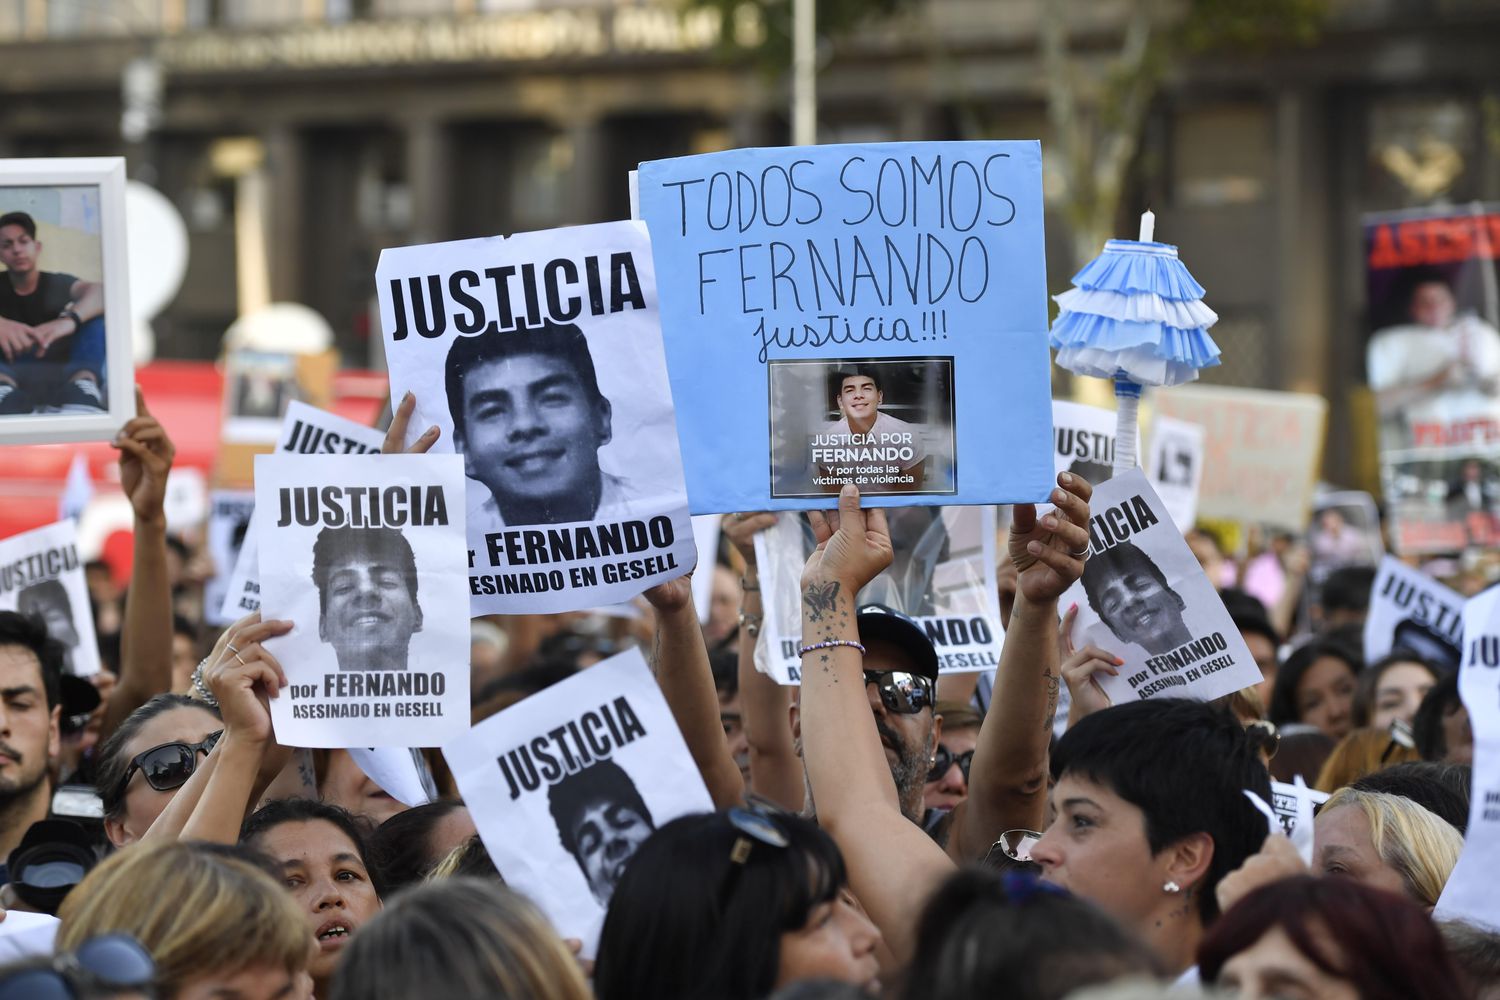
(1294, 804)
(540, 358)
(305, 430)
(1470, 893)
(228, 523)
(370, 569)
(401, 773)
(1145, 598)
(566, 786)
(1084, 439)
(1410, 610)
(943, 576)
(41, 575)
(1174, 465)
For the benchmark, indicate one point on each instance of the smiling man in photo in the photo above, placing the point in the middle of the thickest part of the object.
(367, 596)
(862, 428)
(601, 820)
(529, 419)
(1130, 595)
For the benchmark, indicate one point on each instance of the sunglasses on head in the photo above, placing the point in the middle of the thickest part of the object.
(1015, 845)
(902, 693)
(108, 963)
(945, 759)
(170, 765)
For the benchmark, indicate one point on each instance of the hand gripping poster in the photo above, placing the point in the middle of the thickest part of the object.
(942, 574)
(1144, 598)
(305, 430)
(539, 357)
(866, 314)
(567, 785)
(42, 576)
(369, 568)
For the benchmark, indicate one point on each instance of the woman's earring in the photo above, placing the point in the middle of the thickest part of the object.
(1172, 887)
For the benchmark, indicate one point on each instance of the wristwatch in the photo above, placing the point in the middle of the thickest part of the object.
(68, 312)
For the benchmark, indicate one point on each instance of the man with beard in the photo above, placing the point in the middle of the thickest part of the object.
(601, 820)
(901, 671)
(30, 710)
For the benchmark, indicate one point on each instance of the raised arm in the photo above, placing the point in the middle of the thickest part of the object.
(1008, 776)
(243, 682)
(146, 455)
(893, 866)
(679, 658)
(765, 706)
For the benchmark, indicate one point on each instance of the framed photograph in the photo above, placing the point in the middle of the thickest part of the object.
(66, 369)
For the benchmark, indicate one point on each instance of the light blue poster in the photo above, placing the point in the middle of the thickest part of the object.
(874, 314)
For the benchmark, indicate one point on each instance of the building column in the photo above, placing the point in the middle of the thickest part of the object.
(1303, 275)
(427, 177)
(587, 178)
(285, 216)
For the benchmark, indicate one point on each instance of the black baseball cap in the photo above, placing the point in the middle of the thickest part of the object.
(876, 622)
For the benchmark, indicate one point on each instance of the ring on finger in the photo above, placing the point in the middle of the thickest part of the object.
(1082, 553)
(233, 648)
(237, 656)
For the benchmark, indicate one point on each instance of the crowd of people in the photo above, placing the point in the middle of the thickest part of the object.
(879, 831)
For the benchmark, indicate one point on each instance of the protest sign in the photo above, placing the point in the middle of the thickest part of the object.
(305, 430)
(942, 575)
(1261, 451)
(1433, 362)
(1345, 531)
(65, 300)
(369, 569)
(539, 356)
(1144, 598)
(42, 575)
(706, 541)
(566, 786)
(874, 314)
(1174, 466)
(1470, 894)
(402, 773)
(258, 387)
(1294, 805)
(1085, 440)
(228, 522)
(1410, 610)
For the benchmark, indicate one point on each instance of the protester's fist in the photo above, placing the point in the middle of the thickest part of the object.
(854, 545)
(395, 437)
(1049, 551)
(1078, 669)
(674, 595)
(1277, 859)
(146, 455)
(243, 676)
(741, 530)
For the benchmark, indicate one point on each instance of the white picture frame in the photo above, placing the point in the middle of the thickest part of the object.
(91, 229)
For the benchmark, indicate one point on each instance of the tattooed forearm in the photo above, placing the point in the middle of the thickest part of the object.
(820, 598)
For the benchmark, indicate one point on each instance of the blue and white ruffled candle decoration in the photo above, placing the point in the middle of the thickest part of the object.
(1134, 315)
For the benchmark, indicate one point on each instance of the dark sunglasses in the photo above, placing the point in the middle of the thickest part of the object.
(945, 759)
(170, 765)
(110, 962)
(900, 692)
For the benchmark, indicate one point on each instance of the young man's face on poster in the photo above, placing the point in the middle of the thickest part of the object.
(18, 251)
(1432, 304)
(1137, 607)
(859, 398)
(531, 428)
(608, 833)
(369, 604)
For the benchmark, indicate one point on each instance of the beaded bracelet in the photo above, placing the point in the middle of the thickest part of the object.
(829, 644)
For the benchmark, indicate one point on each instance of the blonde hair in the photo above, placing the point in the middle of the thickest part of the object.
(1421, 847)
(196, 908)
(460, 937)
(1362, 752)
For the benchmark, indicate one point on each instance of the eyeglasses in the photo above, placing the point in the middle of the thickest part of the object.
(945, 759)
(110, 962)
(1264, 737)
(170, 765)
(1014, 844)
(900, 692)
